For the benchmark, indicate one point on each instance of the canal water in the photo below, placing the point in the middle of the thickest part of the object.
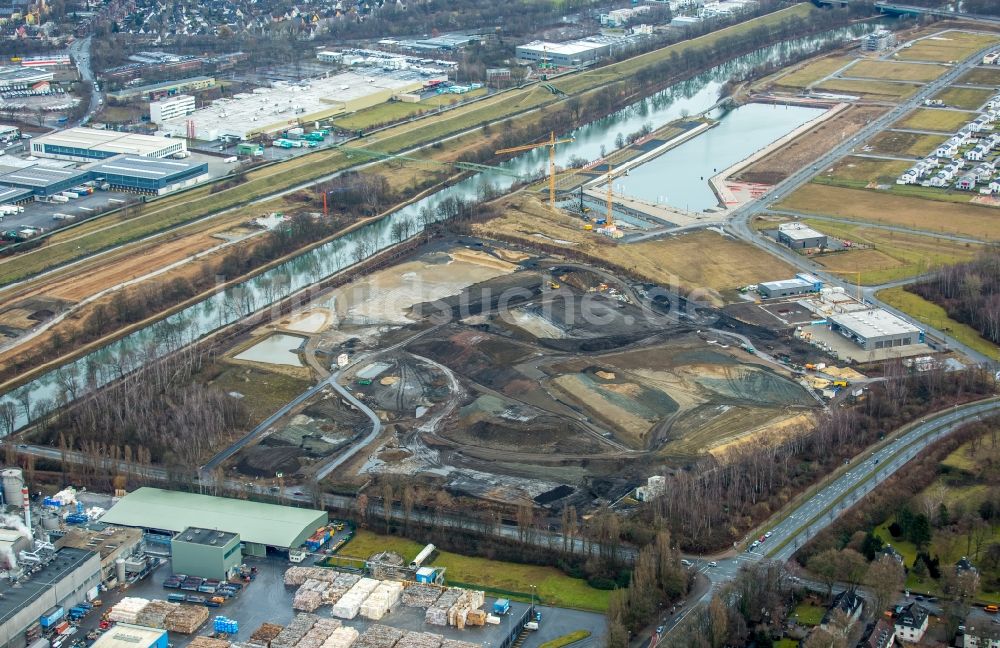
(38, 397)
(680, 176)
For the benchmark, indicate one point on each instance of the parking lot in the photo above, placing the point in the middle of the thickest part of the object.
(267, 599)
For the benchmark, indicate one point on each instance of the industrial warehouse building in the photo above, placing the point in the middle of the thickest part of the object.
(258, 525)
(15, 195)
(800, 237)
(171, 107)
(43, 181)
(126, 635)
(875, 329)
(801, 284)
(13, 77)
(206, 553)
(112, 544)
(576, 53)
(283, 106)
(146, 175)
(71, 576)
(166, 88)
(89, 144)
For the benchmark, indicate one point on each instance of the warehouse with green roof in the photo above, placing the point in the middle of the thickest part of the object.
(258, 525)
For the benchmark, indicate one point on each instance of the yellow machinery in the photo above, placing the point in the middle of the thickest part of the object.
(551, 143)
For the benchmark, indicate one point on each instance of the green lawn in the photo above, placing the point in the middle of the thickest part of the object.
(786, 643)
(857, 172)
(808, 614)
(933, 315)
(566, 639)
(554, 587)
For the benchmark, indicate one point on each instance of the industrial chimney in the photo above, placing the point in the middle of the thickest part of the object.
(27, 509)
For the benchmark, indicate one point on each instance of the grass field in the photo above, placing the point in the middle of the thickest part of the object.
(982, 76)
(674, 260)
(893, 71)
(898, 143)
(554, 587)
(896, 255)
(965, 98)
(936, 119)
(853, 171)
(812, 72)
(933, 315)
(264, 392)
(808, 614)
(397, 110)
(879, 90)
(881, 207)
(949, 46)
(566, 639)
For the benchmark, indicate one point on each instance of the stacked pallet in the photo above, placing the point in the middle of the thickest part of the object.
(262, 636)
(339, 587)
(127, 610)
(294, 631)
(467, 602)
(379, 636)
(341, 638)
(155, 614)
(209, 642)
(310, 595)
(420, 640)
(476, 618)
(437, 614)
(186, 619)
(421, 595)
(319, 633)
(381, 600)
(350, 603)
(299, 575)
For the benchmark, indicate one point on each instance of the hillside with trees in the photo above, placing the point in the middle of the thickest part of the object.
(969, 293)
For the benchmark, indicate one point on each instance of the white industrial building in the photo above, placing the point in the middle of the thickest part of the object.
(90, 144)
(875, 329)
(800, 237)
(176, 106)
(284, 105)
(584, 51)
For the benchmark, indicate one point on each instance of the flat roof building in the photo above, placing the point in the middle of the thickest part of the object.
(66, 579)
(171, 107)
(111, 543)
(126, 635)
(568, 54)
(147, 175)
(800, 237)
(15, 77)
(206, 553)
(875, 329)
(801, 284)
(285, 105)
(156, 90)
(89, 144)
(14, 195)
(259, 525)
(43, 181)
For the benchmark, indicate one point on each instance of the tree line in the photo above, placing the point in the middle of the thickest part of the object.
(969, 293)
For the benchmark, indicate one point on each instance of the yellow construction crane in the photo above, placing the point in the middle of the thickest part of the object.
(551, 143)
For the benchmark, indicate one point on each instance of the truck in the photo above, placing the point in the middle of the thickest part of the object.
(314, 136)
(52, 617)
(501, 607)
(283, 143)
(60, 198)
(298, 131)
(231, 159)
(318, 539)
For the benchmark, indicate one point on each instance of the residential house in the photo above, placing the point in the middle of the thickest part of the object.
(966, 182)
(889, 551)
(975, 154)
(984, 172)
(849, 603)
(980, 634)
(883, 635)
(910, 622)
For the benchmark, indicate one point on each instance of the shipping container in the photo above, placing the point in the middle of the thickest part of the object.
(50, 618)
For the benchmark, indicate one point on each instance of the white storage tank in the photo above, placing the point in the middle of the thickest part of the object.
(12, 480)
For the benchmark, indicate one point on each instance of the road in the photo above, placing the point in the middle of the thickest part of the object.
(80, 51)
(892, 7)
(741, 218)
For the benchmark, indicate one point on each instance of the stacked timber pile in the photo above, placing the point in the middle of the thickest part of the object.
(420, 640)
(262, 636)
(186, 619)
(421, 595)
(339, 587)
(299, 575)
(209, 642)
(155, 614)
(468, 601)
(350, 603)
(437, 614)
(475, 618)
(341, 638)
(381, 600)
(127, 610)
(319, 633)
(379, 636)
(310, 595)
(294, 631)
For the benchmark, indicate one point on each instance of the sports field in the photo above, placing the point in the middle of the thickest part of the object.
(894, 71)
(936, 119)
(881, 207)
